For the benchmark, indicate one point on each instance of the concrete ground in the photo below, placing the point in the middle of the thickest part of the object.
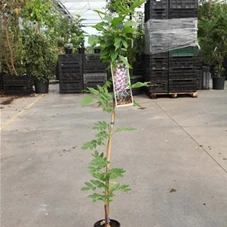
(176, 162)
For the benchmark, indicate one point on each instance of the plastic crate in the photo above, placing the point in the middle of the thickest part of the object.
(71, 76)
(182, 13)
(158, 86)
(183, 62)
(93, 84)
(95, 77)
(157, 75)
(70, 58)
(70, 67)
(18, 90)
(148, 57)
(94, 68)
(158, 64)
(93, 64)
(17, 80)
(71, 87)
(185, 4)
(183, 85)
(156, 14)
(185, 74)
(184, 52)
(156, 4)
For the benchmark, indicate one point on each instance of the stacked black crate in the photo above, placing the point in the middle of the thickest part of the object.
(156, 47)
(184, 63)
(94, 71)
(70, 73)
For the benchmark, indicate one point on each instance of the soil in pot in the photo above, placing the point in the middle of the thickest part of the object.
(218, 83)
(113, 223)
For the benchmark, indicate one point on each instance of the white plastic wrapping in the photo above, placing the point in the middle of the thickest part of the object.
(169, 34)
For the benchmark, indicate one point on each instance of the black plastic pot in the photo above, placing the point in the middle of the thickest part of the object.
(68, 51)
(135, 79)
(113, 223)
(97, 50)
(81, 50)
(218, 83)
(41, 87)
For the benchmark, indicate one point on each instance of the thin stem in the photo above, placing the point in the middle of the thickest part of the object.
(108, 155)
(13, 70)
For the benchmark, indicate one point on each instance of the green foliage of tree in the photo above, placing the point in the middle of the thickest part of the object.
(39, 28)
(10, 37)
(213, 33)
(71, 31)
(115, 33)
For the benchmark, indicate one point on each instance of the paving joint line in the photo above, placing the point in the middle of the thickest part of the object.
(192, 138)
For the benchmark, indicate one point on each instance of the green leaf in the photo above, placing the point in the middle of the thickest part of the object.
(93, 40)
(85, 188)
(128, 30)
(93, 91)
(100, 26)
(117, 43)
(116, 21)
(113, 56)
(136, 4)
(89, 184)
(125, 129)
(140, 84)
(115, 173)
(130, 23)
(125, 44)
(124, 60)
(87, 100)
(99, 184)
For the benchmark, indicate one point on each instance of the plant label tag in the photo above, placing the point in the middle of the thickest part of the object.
(121, 85)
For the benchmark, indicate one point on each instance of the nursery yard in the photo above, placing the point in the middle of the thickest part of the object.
(176, 161)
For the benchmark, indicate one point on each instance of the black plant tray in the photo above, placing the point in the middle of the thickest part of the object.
(156, 75)
(71, 87)
(185, 4)
(182, 62)
(183, 74)
(183, 85)
(18, 90)
(10, 80)
(182, 13)
(93, 84)
(71, 76)
(158, 86)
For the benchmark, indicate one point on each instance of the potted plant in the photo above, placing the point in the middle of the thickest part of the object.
(40, 42)
(13, 65)
(213, 38)
(97, 49)
(80, 42)
(68, 47)
(70, 34)
(114, 34)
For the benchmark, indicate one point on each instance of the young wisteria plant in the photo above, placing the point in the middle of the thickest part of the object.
(115, 33)
(103, 186)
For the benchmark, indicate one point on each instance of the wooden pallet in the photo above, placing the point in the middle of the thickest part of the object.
(154, 95)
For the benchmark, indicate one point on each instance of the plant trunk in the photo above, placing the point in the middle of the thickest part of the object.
(108, 155)
(13, 70)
